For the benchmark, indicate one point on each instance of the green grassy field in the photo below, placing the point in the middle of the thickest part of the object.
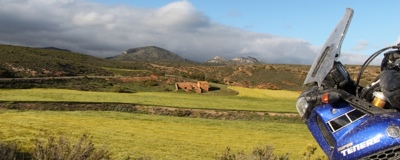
(247, 99)
(157, 137)
(160, 137)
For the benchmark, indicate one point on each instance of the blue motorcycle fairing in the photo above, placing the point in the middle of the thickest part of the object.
(355, 137)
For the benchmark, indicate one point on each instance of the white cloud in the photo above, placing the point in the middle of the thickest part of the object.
(351, 59)
(177, 16)
(361, 45)
(93, 18)
(108, 30)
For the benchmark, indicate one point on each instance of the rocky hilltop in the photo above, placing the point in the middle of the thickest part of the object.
(234, 61)
(149, 53)
(218, 60)
(57, 49)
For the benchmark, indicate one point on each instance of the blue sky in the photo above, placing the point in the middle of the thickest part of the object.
(273, 31)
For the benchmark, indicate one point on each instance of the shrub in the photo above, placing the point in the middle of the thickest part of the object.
(120, 89)
(258, 153)
(61, 148)
(150, 83)
(8, 151)
(310, 151)
(266, 153)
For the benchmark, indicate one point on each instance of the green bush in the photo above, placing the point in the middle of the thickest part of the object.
(150, 83)
(61, 148)
(266, 153)
(121, 89)
(258, 153)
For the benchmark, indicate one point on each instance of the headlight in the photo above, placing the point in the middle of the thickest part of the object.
(393, 131)
(301, 105)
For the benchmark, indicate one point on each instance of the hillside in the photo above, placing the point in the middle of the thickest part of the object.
(55, 48)
(18, 61)
(149, 54)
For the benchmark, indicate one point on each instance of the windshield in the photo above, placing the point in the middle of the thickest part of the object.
(329, 52)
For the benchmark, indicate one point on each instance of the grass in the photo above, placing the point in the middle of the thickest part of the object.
(123, 69)
(247, 99)
(158, 137)
(265, 93)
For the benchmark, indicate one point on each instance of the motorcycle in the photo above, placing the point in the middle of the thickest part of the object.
(349, 121)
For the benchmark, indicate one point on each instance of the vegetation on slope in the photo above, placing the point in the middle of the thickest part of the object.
(20, 61)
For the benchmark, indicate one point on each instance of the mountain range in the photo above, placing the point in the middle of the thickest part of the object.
(154, 53)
